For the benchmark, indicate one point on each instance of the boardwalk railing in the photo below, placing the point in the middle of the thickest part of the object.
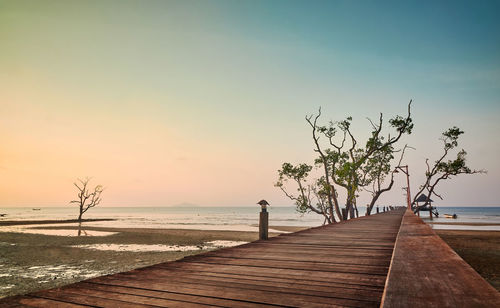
(426, 272)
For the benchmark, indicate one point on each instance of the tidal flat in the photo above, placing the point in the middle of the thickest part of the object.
(30, 261)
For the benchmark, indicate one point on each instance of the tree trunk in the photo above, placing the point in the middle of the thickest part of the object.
(372, 203)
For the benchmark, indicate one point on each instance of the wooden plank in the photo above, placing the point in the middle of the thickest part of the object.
(320, 258)
(271, 296)
(360, 243)
(289, 286)
(296, 248)
(354, 278)
(300, 265)
(220, 302)
(29, 301)
(98, 296)
(426, 272)
(307, 281)
(85, 299)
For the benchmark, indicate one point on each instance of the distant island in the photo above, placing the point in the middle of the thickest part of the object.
(185, 204)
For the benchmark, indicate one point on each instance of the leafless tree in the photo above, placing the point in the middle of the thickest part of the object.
(87, 198)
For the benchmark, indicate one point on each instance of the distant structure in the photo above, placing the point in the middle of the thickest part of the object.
(427, 206)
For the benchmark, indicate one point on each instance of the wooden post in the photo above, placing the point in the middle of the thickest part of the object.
(430, 212)
(378, 210)
(263, 225)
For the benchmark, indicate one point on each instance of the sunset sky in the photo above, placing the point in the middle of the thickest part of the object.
(165, 102)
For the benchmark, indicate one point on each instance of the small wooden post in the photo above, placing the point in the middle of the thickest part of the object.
(430, 212)
(378, 211)
(263, 225)
(263, 220)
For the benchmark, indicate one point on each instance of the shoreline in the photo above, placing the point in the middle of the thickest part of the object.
(464, 223)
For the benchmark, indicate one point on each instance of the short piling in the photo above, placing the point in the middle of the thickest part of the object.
(264, 225)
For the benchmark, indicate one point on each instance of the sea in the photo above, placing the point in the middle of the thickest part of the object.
(232, 218)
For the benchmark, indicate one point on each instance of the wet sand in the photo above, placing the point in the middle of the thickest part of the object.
(46, 222)
(464, 223)
(30, 262)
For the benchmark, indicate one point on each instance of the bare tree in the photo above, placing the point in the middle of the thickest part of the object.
(442, 169)
(87, 198)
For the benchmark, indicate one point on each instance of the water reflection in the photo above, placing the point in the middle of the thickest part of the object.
(159, 247)
(32, 229)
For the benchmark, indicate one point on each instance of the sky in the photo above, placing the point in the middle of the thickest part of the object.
(170, 102)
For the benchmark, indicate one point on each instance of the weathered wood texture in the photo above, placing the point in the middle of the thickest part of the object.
(345, 264)
(426, 272)
(263, 225)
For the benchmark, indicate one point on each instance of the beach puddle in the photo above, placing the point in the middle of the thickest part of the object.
(33, 229)
(159, 247)
(69, 232)
(137, 247)
(222, 244)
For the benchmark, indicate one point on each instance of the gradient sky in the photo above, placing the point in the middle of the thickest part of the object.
(165, 102)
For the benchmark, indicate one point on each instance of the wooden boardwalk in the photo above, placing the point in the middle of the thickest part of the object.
(345, 264)
(383, 260)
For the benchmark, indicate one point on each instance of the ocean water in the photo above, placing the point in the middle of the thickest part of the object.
(230, 218)
(467, 218)
(202, 218)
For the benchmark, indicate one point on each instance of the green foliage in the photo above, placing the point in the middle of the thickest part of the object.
(289, 171)
(298, 174)
(456, 166)
(450, 137)
(403, 125)
(444, 169)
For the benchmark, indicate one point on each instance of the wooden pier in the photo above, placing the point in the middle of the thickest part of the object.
(365, 262)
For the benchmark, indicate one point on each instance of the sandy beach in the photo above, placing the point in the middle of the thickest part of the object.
(30, 262)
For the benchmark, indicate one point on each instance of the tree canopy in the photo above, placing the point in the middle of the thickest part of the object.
(348, 165)
(345, 164)
(444, 168)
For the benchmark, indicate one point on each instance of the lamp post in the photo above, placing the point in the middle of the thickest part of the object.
(408, 195)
